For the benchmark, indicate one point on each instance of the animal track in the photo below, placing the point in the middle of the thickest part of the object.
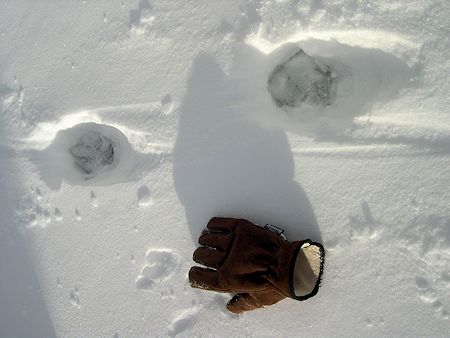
(36, 210)
(429, 296)
(77, 215)
(143, 195)
(37, 213)
(373, 323)
(141, 17)
(166, 105)
(46, 216)
(94, 201)
(85, 154)
(97, 154)
(58, 215)
(93, 152)
(38, 194)
(74, 297)
(363, 226)
(183, 321)
(161, 265)
(188, 317)
(301, 79)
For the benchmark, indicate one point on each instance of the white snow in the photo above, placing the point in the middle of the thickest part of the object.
(180, 90)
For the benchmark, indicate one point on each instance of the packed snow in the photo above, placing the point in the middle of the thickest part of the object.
(126, 125)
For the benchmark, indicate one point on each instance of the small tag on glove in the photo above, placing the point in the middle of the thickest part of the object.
(276, 230)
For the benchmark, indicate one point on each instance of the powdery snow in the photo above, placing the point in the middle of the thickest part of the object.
(179, 92)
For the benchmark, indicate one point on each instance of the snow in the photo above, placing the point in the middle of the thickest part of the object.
(179, 89)
(301, 80)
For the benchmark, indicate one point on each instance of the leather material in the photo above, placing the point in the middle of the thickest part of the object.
(245, 258)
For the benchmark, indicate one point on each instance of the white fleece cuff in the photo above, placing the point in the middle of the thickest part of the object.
(307, 269)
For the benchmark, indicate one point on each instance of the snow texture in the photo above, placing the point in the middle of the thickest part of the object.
(126, 125)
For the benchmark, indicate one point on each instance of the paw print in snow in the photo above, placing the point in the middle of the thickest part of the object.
(429, 295)
(161, 265)
(166, 105)
(74, 297)
(144, 197)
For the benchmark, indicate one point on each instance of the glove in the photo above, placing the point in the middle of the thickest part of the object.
(260, 265)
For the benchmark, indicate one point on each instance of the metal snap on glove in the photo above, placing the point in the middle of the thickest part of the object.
(258, 264)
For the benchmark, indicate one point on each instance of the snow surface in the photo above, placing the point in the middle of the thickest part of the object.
(180, 89)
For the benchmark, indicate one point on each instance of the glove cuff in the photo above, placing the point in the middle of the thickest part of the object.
(306, 268)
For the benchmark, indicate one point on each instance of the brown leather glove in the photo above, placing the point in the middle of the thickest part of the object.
(253, 261)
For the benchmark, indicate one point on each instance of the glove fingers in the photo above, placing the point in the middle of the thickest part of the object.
(209, 257)
(203, 278)
(215, 240)
(222, 224)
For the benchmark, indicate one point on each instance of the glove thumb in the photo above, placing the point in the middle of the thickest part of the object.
(249, 301)
(242, 302)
